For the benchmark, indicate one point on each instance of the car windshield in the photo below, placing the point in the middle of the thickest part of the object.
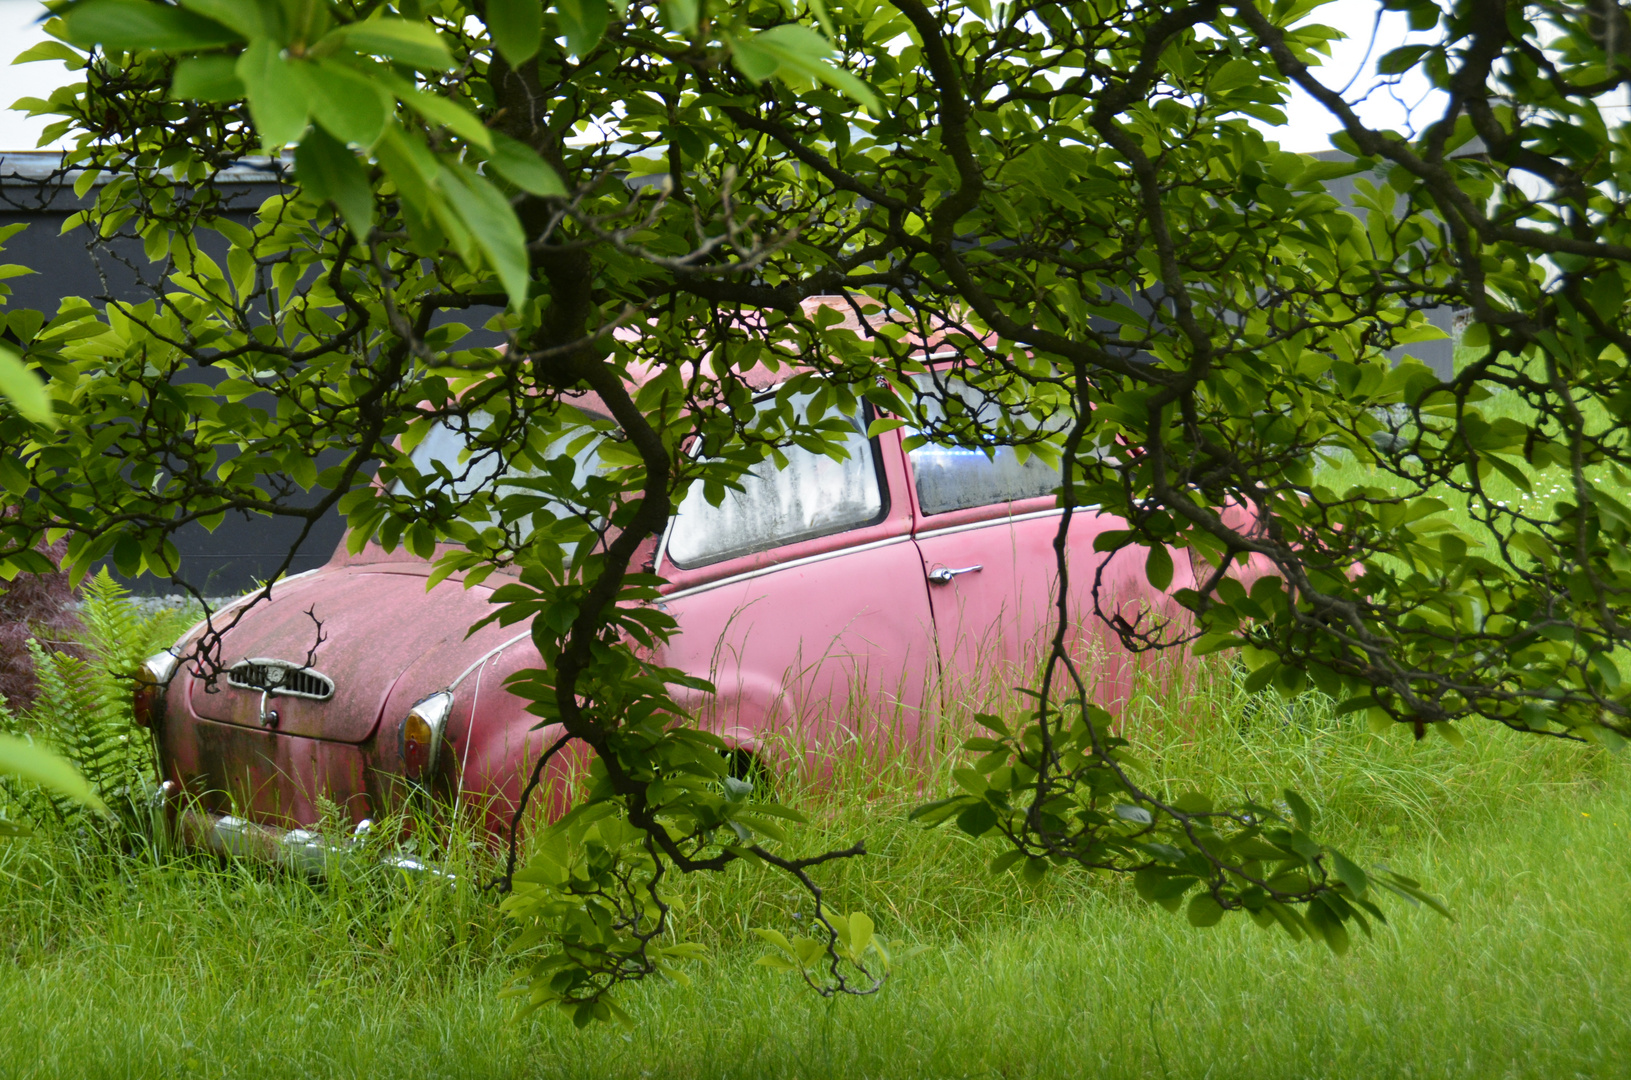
(814, 495)
(446, 446)
(950, 477)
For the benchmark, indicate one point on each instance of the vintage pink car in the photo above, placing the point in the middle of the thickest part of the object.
(827, 599)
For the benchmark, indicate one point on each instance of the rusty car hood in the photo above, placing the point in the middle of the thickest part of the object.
(376, 626)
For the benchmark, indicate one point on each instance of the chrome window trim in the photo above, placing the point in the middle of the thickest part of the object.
(791, 564)
(808, 560)
(986, 523)
(486, 656)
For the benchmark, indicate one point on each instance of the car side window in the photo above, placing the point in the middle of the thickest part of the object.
(951, 477)
(813, 496)
(954, 478)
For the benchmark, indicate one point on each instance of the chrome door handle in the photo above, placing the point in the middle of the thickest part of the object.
(942, 575)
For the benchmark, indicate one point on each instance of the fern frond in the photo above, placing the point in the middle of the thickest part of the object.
(83, 706)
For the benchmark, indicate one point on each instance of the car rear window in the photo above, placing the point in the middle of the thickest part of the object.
(813, 496)
(950, 477)
(445, 446)
(444, 449)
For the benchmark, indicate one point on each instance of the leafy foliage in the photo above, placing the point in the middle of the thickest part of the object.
(1062, 203)
(82, 712)
(1054, 790)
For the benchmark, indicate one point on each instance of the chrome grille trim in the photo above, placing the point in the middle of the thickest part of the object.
(281, 678)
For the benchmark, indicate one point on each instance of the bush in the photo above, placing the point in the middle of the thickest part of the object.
(33, 606)
(82, 708)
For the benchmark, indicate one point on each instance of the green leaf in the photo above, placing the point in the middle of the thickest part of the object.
(207, 78)
(21, 758)
(410, 165)
(1158, 567)
(1329, 926)
(350, 106)
(860, 932)
(1450, 734)
(680, 16)
(520, 165)
(798, 51)
(991, 723)
(277, 97)
(250, 18)
(937, 811)
(1112, 539)
(439, 110)
(774, 937)
(978, 819)
(1194, 802)
(787, 813)
(1349, 874)
(131, 25)
(971, 781)
(883, 424)
(1203, 910)
(1135, 814)
(1233, 75)
(52, 50)
(1006, 860)
(1255, 847)
(23, 388)
(413, 43)
(516, 27)
(1300, 810)
(1411, 890)
(492, 222)
(330, 172)
(1401, 59)
(583, 23)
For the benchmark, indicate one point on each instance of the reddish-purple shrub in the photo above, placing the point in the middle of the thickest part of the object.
(37, 606)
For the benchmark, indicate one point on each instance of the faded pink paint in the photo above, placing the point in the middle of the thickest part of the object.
(794, 638)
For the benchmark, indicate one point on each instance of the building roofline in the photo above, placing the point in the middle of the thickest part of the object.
(31, 168)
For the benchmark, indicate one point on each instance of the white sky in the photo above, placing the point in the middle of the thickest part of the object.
(1307, 129)
(1308, 124)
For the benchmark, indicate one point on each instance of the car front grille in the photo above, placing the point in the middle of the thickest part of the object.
(282, 678)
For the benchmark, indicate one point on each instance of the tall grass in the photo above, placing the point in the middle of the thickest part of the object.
(188, 966)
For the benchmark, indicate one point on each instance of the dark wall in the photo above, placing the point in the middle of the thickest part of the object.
(243, 549)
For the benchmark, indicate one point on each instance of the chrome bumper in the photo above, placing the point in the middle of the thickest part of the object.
(296, 849)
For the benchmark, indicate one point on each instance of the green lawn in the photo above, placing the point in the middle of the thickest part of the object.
(129, 968)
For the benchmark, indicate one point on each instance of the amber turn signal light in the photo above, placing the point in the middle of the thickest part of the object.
(421, 734)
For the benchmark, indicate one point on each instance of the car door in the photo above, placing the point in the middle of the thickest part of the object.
(802, 599)
(985, 537)
(985, 530)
